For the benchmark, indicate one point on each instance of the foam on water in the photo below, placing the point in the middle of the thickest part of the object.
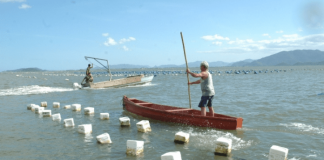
(208, 139)
(304, 128)
(143, 85)
(33, 89)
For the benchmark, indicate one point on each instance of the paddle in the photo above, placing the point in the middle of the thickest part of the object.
(184, 50)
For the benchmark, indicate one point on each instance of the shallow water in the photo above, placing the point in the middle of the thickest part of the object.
(278, 109)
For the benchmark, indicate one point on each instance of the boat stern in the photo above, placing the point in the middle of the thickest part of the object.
(239, 122)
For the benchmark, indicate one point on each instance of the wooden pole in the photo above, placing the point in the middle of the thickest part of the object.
(184, 50)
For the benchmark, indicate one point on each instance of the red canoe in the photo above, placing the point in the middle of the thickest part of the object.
(180, 115)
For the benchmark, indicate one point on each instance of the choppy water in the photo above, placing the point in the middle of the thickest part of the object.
(278, 109)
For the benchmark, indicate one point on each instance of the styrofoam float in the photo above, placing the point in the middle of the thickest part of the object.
(134, 147)
(143, 126)
(85, 128)
(104, 138)
(223, 146)
(68, 122)
(104, 116)
(181, 137)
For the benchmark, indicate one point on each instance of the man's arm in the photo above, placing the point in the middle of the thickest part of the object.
(203, 75)
(195, 82)
(92, 65)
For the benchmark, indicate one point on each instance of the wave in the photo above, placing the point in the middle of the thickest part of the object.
(208, 139)
(143, 85)
(34, 89)
(304, 128)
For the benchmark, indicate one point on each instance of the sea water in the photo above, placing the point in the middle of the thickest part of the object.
(279, 108)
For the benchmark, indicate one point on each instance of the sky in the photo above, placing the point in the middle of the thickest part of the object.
(56, 35)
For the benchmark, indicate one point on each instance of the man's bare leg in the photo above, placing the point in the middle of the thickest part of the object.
(211, 111)
(203, 111)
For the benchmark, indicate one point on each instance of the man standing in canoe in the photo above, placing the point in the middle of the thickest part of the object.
(207, 88)
(88, 69)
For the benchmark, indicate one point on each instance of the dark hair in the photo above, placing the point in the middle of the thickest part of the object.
(89, 65)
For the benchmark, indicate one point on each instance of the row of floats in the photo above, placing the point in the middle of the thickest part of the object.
(136, 147)
(179, 72)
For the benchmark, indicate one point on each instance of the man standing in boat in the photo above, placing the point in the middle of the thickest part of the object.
(88, 69)
(207, 88)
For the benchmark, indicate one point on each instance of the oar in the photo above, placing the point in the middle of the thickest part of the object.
(184, 50)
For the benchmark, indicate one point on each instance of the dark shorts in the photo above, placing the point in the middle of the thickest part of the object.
(206, 101)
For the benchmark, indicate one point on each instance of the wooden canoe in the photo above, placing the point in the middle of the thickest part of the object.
(180, 115)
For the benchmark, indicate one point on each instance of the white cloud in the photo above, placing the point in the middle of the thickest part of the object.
(105, 34)
(291, 36)
(238, 41)
(126, 40)
(5, 1)
(110, 42)
(217, 43)
(279, 31)
(24, 6)
(300, 30)
(214, 37)
(271, 46)
(266, 34)
(125, 48)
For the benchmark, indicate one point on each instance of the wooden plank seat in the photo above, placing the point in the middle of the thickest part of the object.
(142, 103)
(174, 110)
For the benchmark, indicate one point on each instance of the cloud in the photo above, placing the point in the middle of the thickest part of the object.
(125, 48)
(24, 6)
(126, 40)
(105, 34)
(300, 30)
(279, 31)
(271, 46)
(239, 41)
(110, 42)
(214, 37)
(217, 43)
(6, 1)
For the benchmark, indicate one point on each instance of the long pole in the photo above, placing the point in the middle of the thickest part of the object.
(184, 50)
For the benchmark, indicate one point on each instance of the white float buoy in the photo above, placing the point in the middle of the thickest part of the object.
(39, 110)
(47, 113)
(85, 128)
(104, 115)
(89, 110)
(68, 122)
(66, 79)
(278, 153)
(29, 106)
(171, 156)
(124, 121)
(67, 106)
(33, 107)
(181, 137)
(143, 126)
(76, 107)
(104, 138)
(134, 147)
(43, 104)
(56, 104)
(223, 146)
(56, 117)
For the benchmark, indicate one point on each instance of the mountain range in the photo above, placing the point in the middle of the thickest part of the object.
(284, 58)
